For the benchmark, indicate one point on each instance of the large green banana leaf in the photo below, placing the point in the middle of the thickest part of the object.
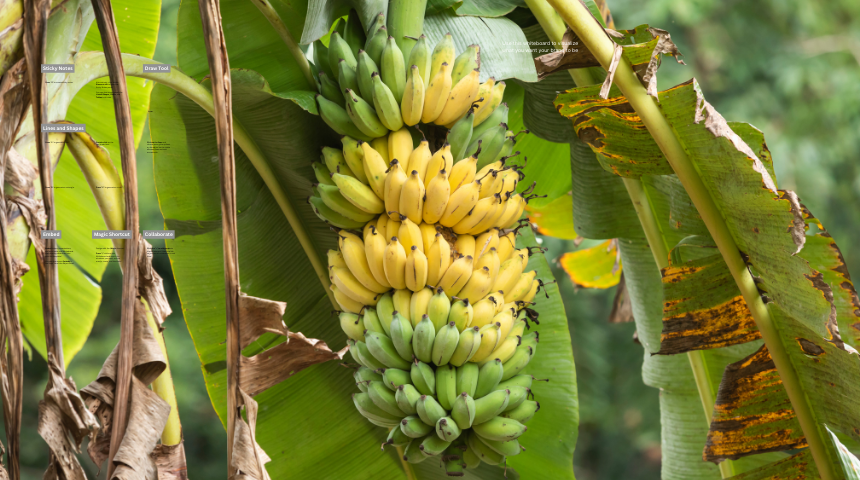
(71, 30)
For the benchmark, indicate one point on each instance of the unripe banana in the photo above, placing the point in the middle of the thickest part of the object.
(358, 194)
(532, 291)
(463, 173)
(412, 198)
(376, 44)
(453, 458)
(491, 144)
(420, 57)
(483, 312)
(339, 50)
(412, 103)
(354, 157)
(489, 341)
(397, 438)
(485, 453)
(331, 90)
(507, 147)
(383, 398)
(518, 362)
(443, 348)
(363, 115)
(491, 104)
(393, 188)
(321, 60)
(373, 413)
(393, 68)
(345, 302)
(471, 458)
(497, 116)
(374, 169)
(383, 350)
(460, 134)
(422, 341)
(394, 378)
(381, 145)
(468, 223)
(429, 410)
(465, 245)
(353, 33)
(347, 78)
(416, 270)
(437, 94)
(456, 276)
(447, 429)
(509, 448)
(437, 193)
(463, 410)
(406, 397)
(409, 234)
(419, 305)
(385, 311)
(524, 412)
(461, 313)
(335, 259)
(352, 325)
(442, 53)
(394, 264)
(419, 159)
(385, 104)
(478, 285)
(428, 235)
(467, 346)
(332, 197)
(491, 405)
(518, 396)
(403, 302)
(337, 118)
(505, 319)
(423, 377)
(524, 381)
(483, 101)
(441, 160)
(488, 377)
(446, 385)
(467, 378)
(401, 336)
(363, 376)
(522, 287)
(366, 358)
(460, 203)
(500, 429)
(414, 427)
(509, 274)
(433, 445)
(460, 99)
(412, 452)
(364, 72)
(438, 259)
(466, 62)
(322, 173)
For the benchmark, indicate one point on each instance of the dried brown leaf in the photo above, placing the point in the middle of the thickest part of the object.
(622, 307)
(147, 417)
(260, 316)
(150, 286)
(572, 55)
(249, 460)
(170, 461)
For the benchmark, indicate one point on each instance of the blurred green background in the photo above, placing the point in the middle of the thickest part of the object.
(789, 67)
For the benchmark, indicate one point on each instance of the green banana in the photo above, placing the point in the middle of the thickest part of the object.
(423, 378)
(446, 386)
(518, 396)
(347, 79)
(490, 405)
(378, 22)
(462, 313)
(499, 115)
(322, 173)
(438, 309)
(471, 458)
(488, 377)
(339, 50)
(407, 397)
(363, 376)
(467, 61)
(353, 34)
(326, 214)
(420, 57)
(454, 463)
(429, 410)
(363, 115)
(460, 134)
(463, 410)
(518, 362)
(467, 346)
(366, 68)
(531, 340)
(515, 381)
(321, 59)
(500, 428)
(447, 429)
(423, 338)
(330, 90)
(433, 445)
(337, 118)
(445, 344)
(467, 378)
(394, 378)
(385, 311)
(373, 413)
(353, 352)
(366, 358)
(401, 336)
(485, 453)
(508, 449)
(335, 162)
(353, 154)
(376, 44)
(371, 320)
(358, 194)
(524, 412)
(414, 427)
(442, 53)
(383, 398)
(336, 201)
(412, 103)
(490, 143)
(507, 148)
(352, 325)
(412, 452)
(387, 107)
(397, 438)
(393, 69)
(383, 349)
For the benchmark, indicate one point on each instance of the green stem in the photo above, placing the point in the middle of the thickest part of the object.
(163, 387)
(92, 65)
(272, 16)
(595, 39)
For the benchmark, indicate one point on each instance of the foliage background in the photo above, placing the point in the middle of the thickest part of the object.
(790, 67)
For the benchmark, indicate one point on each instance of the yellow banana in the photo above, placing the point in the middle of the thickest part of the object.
(489, 342)
(483, 312)
(463, 172)
(460, 98)
(522, 287)
(393, 187)
(456, 276)
(410, 235)
(346, 303)
(532, 291)
(460, 203)
(486, 109)
(465, 245)
(475, 215)
(412, 198)
(438, 259)
(498, 300)
(392, 228)
(416, 270)
(418, 305)
(487, 240)
(443, 52)
(374, 169)
(335, 259)
(367, 229)
(506, 247)
(490, 260)
(400, 147)
(346, 282)
(394, 264)
(412, 104)
(382, 226)
(514, 207)
(381, 145)
(505, 319)
(358, 194)
(484, 98)
(374, 249)
(506, 181)
(437, 94)
(402, 302)
(441, 160)
(477, 286)
(496, 210)
(438, 192)
(420, 158)
(355, 257)
(509, 274)
(354, 156)
(524, 257)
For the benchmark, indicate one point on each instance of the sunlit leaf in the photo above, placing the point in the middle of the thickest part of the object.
(554, 219)
(595, 267)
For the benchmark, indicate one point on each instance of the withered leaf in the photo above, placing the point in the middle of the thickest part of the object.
(170, 461)
(249, 460)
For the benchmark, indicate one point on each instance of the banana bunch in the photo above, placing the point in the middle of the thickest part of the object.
(368, 86)
(446, 378)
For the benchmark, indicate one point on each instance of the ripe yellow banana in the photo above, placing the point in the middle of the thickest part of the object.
(416, 270)
(460, 203)
(437, 94)
(438, 259)
(335, 259)
(346, 303)
(392, 228)
(428, 235)
(475, 215)
(505, 182)
(381, 226)
(456, 276)
(522, 287)
(420, 158)
(410, 234)
(400, 147)
(495, 100)
(532, 291)
(483, 312)
(484, 98)
(489, 259)
(513, 211)
(381, 145)
(412, 105)
(419, 304)
(393, 187)
(487, 240)
(412, 198)
(441, 160)
(438, 192)
(402, 302)
(374, 169)
(355, 258)
(478, 285)
(460, 98)
(374, 249)
(463, 172)
(354, 157)
(489, 342)
(524, 255)
(346, 282)
(394, 264)
(509, 274)
(507, 245)
(506, 319)
(496, 210)
(465, 245)
(358, 194)
(443, 53)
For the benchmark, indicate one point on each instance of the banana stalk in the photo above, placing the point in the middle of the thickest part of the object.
(406, 19)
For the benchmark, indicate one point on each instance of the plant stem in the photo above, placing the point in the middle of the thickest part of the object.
(163, 387)
(272, 16)
(595, 39)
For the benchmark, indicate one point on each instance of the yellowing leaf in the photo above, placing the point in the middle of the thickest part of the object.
(554, 219)
(595, 267)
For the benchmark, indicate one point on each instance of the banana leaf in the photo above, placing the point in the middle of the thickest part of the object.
(488, 8)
